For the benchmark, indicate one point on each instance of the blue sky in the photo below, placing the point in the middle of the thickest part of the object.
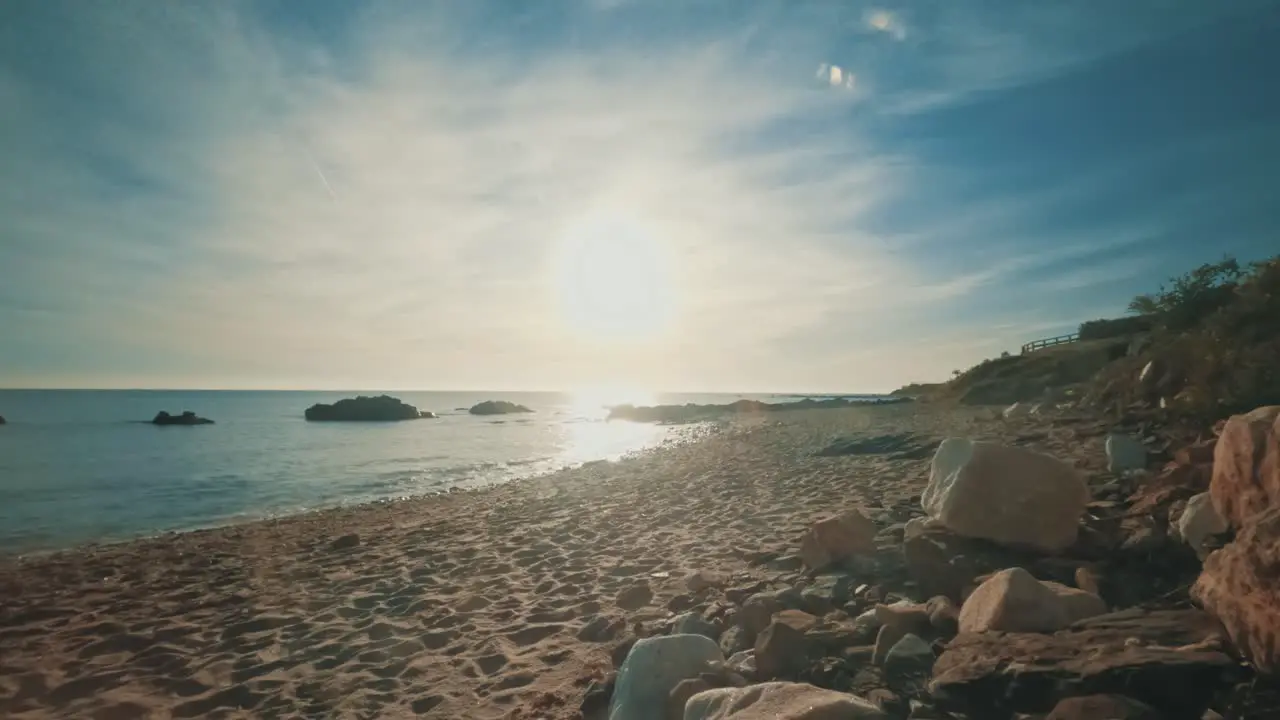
(825, 195)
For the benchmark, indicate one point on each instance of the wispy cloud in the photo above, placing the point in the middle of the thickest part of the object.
(225, 194)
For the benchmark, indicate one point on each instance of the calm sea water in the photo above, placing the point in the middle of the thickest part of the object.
(76, 467)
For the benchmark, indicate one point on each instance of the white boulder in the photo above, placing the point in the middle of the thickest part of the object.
(1199, 520)
(779, 701)
(1014, 601)
(1125, 453)
(655, 666)
(1006, 494)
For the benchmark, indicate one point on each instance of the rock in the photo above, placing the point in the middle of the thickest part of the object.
(743, 663)
(887, 700)
(944, 616)
(653, 668)
(1125, 453)
(923, 711)
(1240, 584)
(1199, 521)
(838, 538)
(1196, 454)
(595, 702)
(186, 418)
(1006, 494)
(909, 657)
(695, 624)
(905, 616)
(634, 597)
(618, 653)
(702, 580)
(798, 619)
(1015, 410)
(780, 650)
(917, 526)
(346, 542)
(779, 701)
(1102, 707)
(680, 695)
(497, 407)
(382, 408)
(1150, 656)
(1087, 580)
(2, 420)
(888, 636)
(598, 629)
(734, 640)
(1014, 600)
(1246, 465)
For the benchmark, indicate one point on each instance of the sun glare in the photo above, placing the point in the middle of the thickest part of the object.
(614, 281)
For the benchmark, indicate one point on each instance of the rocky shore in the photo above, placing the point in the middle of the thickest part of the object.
(845, 563)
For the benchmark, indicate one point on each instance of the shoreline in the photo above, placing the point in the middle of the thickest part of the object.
(466, 604)
(701, 430)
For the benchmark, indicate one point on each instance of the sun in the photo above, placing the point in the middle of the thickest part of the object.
(614, 281)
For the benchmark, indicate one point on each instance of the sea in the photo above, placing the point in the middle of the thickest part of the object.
(81, 466)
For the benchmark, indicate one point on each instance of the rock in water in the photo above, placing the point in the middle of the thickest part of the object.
(1125, 453)
(2, 420)
(382, 408)
(838, 538)
(653, 668)
(186, 418)
(497, 407)
(1014, 601)
(1246, 465)
(1006, 494)
(779, 701)
(1199, 521)
(1240, 584)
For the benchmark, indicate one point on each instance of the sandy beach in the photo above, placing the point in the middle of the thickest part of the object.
(466, 605)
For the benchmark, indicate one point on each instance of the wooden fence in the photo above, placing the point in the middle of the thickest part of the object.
(1050, 342)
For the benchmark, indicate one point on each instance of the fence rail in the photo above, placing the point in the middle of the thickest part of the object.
(1050, 342)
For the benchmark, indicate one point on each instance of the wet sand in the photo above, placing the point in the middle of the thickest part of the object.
(467, 605)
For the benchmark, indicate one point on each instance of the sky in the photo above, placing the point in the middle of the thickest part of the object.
(711, 195)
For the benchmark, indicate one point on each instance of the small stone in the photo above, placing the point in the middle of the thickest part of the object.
(634, 597)
(1102, 707)
(1125, 453)
(1087, 580)
(944, 616)
(838, 538)
(905, 616)
(695, 624)
(1013, 601)
(743, 663)
(595, 702)
(888, 637)
(681, 693)
(797, 619)
(734, 640)
(780, 650)
(346, 542)
(702, 580)
(1200, 521)
(909, 657)
(618, 653)
(779, 701)
(887, 700)
(598, 629)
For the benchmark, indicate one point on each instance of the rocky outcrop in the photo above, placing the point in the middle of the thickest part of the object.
(186, 418)
(1165, 659)
(653, 668)
(1246, 465)
(497, 407)
(692, 412)
(382, 408)
(838, 538)
(779, 701)
(1015, 601)
(1006, 494)
(1240, 585)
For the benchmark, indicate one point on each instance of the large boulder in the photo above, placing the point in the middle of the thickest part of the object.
(186, 418)
(838, 538)
(1240, 584)
(653, 668)
(1199, 521)
(1125, 453)
(497, 407)
(779, 701)
(1246, 465)
(1014, 600)
(363, 408)
(1006, 494)
(1165, 659)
